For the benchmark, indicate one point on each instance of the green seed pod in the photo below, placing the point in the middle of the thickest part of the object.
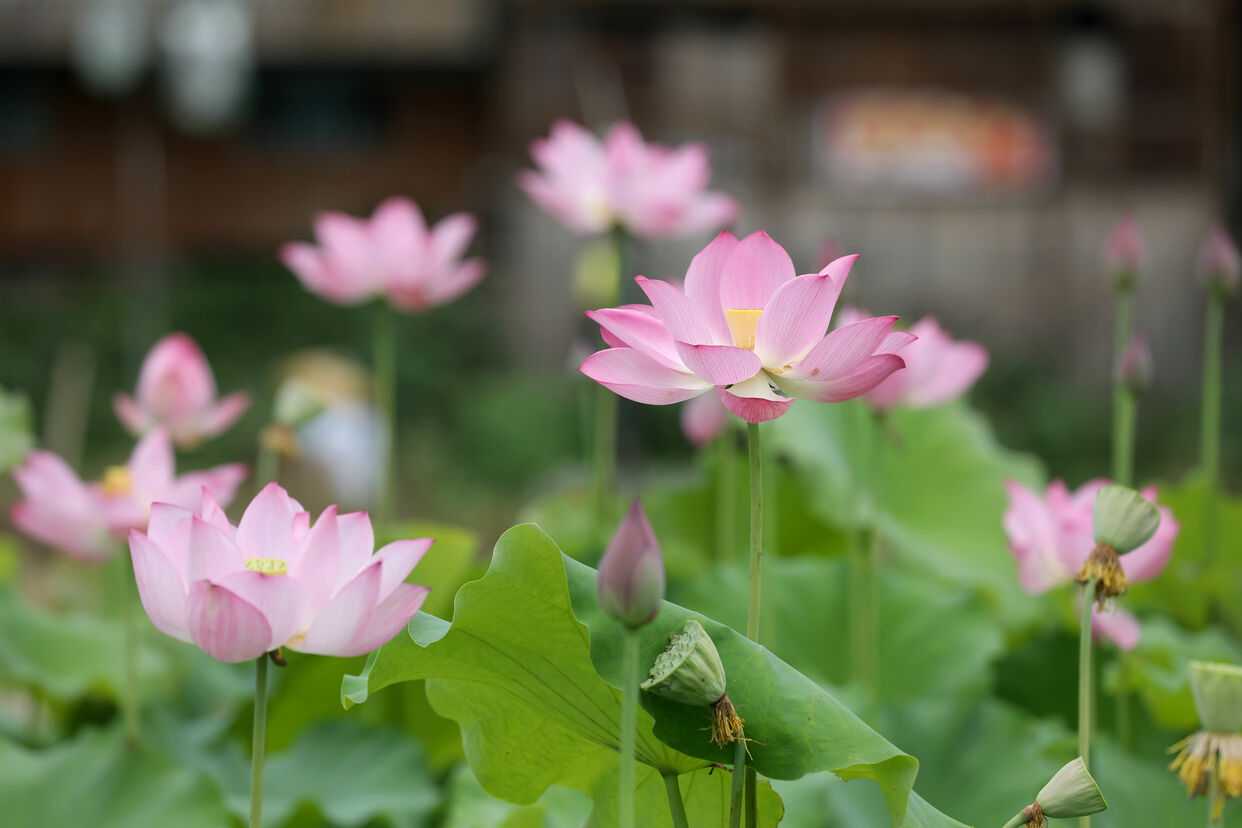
(1071, 793)
(1123, 519)
(689, 670)
(1217, 689)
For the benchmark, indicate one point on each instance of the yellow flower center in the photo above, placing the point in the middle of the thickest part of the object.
(742, 324)
(1105, 568)
(267, 566)
(116, 481)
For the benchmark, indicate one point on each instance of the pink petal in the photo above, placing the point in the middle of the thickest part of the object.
(316, 563)
(844, 349)
(398, 233)
(160, 587)
(175, 380)
(128, 412)
(398, 560)
(169, 530)
(266, 527)
(357, 541)
(1150, 559)
(638, 377)
(703, 284)
(210, 511)
(217, 418)
(754, 401)
(225, 626)
(350, 259)
(450, 238)
(388, 619)
(795, 319)
(341, 622)
(458, 282)
(151, 463)
(1033, 538)
(719, 364)
(280, 598)
(221, 483)
(211, 553)
(753, 273)
(860, 380)
(638, 327)
(708, 211)
(1116, 625)
(703, 419)
(679, 315)
(308, 266)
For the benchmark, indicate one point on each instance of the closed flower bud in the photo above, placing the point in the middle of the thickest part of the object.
(1217, 689)
(1071, 793)
(1134, 369)
(1125, 253)
(1123, 519)
(631, 573)
(1218, 262)
(689, 671)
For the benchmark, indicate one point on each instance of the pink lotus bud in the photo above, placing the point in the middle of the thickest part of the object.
(631, 573)
(1218, 262)
(1125, 253)
(703, 419)
(1134, 366)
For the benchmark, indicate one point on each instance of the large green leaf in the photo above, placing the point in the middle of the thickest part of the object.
(16, 432)
(96, 780)
(932, 482)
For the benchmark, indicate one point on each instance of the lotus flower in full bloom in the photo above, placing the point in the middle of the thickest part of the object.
(176, 390)
(649, 189)
(392, 255)
(274, 580)
(1052, 537)
(938, 368)
(747, 327)
(86, 520)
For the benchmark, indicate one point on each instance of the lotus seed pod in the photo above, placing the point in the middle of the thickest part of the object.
(1071, 793)
(689, 670)
(1124, 519)
(1217, 689)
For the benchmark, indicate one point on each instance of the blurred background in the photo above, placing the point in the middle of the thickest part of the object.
(155, 153)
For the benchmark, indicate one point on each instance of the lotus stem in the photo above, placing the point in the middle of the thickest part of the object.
(629, 717)
(130, 707)
(1123, 701)
(1124, 403)
(258, 738)
(1020, 819)
(1209, 431)
(1085, 682)
(752, 798)
(739, 779)
(676, 808)
(756, 531)
(385, 367)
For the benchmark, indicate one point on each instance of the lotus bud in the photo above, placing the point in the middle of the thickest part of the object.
(631, 573)
(1125, 253)
(1217, 689)
(1134, 369)
(689, 672)
(1123, 521)
(1218, 263)
(1071, 793)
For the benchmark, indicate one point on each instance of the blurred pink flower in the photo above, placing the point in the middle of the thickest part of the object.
(86, 520)
(1116, 625)
(1134, 367)
(393, 254)
(1125, 252)
(176, 390)
(938, 368)
(1051, 537)
(648, 188)
(703, 419)
(273, 580)
(744, 323)
(1218, 261)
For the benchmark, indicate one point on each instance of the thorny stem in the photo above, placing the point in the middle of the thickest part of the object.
(1209, 430)
(1084, 682)
(258, 737)
(676, 808)
(629, 716)
(385, 356)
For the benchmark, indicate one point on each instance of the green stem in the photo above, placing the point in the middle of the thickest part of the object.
(739, 780)
(756, 531)
(130, 708)
(1084, 682)
(676, 808)
(1123, 400)
(385, 356)
(752, 798)
(1020, 819)
(864, 632)
(726, 484)
(258, 735)
(629, 718)
(1123, 702)
(1209, 430)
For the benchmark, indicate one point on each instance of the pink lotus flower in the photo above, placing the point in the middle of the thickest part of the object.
(1218, 261)
(393, 255)
(1125, 252)
(744, 324)
(649, 189)
(273, 580)
(703, 419)
(86, 520)
(1051, 537)
(176, 390)
(938, 368)
(1116, 625)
